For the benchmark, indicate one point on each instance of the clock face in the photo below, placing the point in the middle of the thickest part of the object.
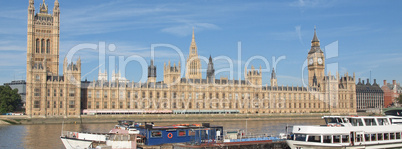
(319, 60)
(310, 61)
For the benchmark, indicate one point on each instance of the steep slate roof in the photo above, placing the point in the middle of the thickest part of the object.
(367, 87)
(391, 86)
(315, 49)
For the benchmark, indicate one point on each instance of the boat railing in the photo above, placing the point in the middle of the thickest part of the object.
(108, 136)
(122, 137)
(258, 135)
(240, 135)
(69, 134)
(262, 138)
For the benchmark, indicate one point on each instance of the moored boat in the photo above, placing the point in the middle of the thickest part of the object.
(123, 135)
(348, 132)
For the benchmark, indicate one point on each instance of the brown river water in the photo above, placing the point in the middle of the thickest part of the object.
(47, 136)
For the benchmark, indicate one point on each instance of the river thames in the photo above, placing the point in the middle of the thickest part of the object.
(46, 136)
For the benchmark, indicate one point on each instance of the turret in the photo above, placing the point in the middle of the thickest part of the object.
(210, 71)
(273, 78)
(43, 7)
(102, 76)
(171, 74)
(152, 72)
(254, 77)
(31, 15)
(72, 72)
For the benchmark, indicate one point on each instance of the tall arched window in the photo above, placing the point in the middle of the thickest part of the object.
(37, 45)
(48, 46)
(42, 50)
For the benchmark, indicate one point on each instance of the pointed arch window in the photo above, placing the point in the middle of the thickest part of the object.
(48, 46)
(37, 45)
(42, 46)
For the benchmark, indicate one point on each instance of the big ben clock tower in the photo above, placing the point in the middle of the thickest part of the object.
(316, 62)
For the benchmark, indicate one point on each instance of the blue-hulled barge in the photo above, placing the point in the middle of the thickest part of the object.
(180, 133)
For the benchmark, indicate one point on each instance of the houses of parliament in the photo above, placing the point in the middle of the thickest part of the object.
(50, 94)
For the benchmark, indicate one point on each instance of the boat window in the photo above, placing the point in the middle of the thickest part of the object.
(367, 137)
(382, 121)
(392, 136)
(301, 137)
(379, 135)
(373, 137)
(357, 122)
(181, 132)
(314, 138)
(326, 139)
(349, 119)
(345, 138)
(156, 134)
(333, 120)
(358, 138)
(370, 122)
(191, 132)
(398, 135)
(386, 136)
(336, 139)
(345, 120)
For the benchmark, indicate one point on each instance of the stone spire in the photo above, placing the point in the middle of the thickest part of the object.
(43, 7)
(193, 39)
(56, 4)
(193, 63)
(31, 11)
(210, 71)
(273, 74)
(315, 44)
(152, 69)
(274, 81)
(193, 45)
(315, 39)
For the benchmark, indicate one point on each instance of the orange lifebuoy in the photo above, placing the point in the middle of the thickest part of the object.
(170, 136)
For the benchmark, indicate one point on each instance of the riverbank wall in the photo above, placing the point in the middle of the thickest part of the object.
(179, 118)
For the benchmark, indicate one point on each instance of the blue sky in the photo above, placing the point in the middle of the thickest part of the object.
(368, 35)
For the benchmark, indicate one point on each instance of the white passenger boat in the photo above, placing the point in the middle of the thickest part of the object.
(122, 136)
(348, 132)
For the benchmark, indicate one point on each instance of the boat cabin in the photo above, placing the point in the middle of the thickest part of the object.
(356, 121)
(180, 133)
(349, 131)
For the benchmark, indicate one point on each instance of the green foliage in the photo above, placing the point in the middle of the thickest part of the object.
(10, 100)
(399, 99)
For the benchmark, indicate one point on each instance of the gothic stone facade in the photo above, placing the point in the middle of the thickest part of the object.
(333, 94)
(51, 95)
(48, 93)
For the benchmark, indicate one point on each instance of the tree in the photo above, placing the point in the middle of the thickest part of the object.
(10, 100)
(399, 99)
